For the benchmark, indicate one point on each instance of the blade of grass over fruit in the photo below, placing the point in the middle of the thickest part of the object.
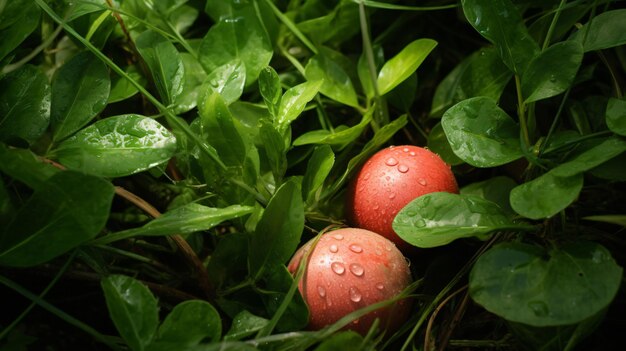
(171, 118)
(59, 313)
(387, 6)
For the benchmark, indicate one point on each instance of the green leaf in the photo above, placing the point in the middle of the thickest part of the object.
(295, 314)
(481, 133)
(439, 144)
(118, 146)
(317, 169)
(496, 190)
(277, 234)
(183, 220)
(608, 149)
(404, 64)
(403, 96)
(340, 341)
(613, 169)
(527, 284)
(228, 80)
(218, 126)
(481, 74)
(80, 90)
(439, 218)
(66, 210)
(337, 84)
(122, 89)
(228, 264)
(552, 72)
(616, 116)
(190, 323)
(165, 64)
(24, 105)
(24, 166)
(133, 310)
(546, 195)
(270, 89)
(500, 22)
(238, 35)
(18, 20)
(605, 30)
(613, 219)
(335, 26)
(244, 325)
(341, 137)
(294, 101)
(192, 84)
(274, 146)
(363, 70)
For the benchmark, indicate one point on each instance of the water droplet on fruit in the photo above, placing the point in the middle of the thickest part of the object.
(391, 161)
(333, 248)
(337, 268)
(403, 168)
(356, 248)
(380, 286)
(406, 149)
(412, 153)
(357, 269)
(338, 236)
(366, 176)
(355, 294)
(422, 182)
(378, 251)
(321, 291)
(392, 196)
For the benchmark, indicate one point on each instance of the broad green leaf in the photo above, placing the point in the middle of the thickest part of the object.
(403, 96)
(439, 218)
(23, 165)
(80, 90)
(118, 146)
(613, 169)
(133, 309)
(18, 20)
(270, 89)
(317, 169)
(340, 341)
(183, 220)
(481, 74)
(337, 84)
(609, 148)
(245, 324)
(606, 30)
(500, 22)
(7, 209)
(366, 77)
(228, 80)
(561, 286)
(404, 64)
(192, 84)
(66, 210)
(439, 144)
(613, 219)
(24, 105)
(335, 26)
(218, 127)
(277, 234)
(341, 137)
(190, 323)
(496, 190)
(296, 314)
(294, 101)
(552, 72)
(546, 195)
(122, 89)
(274, 146)
(481, 133)
(238, 35)
(228, 264)
(616, 116)
(165, 64)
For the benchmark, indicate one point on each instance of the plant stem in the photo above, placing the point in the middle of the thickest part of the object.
(546, 41)
(292, 27)
(12, 67)
(521, 111)
(59, 313)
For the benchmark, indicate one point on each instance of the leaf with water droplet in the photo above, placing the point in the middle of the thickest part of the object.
(436, 219)
(552, 72)
(527, 284)
(545, 195)
(118, 146)
(481, 133)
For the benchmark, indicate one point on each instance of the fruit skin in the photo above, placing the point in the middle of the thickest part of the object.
(349, 269)
(391, 179)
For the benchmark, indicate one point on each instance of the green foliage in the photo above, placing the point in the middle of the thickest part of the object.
(180, 152)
